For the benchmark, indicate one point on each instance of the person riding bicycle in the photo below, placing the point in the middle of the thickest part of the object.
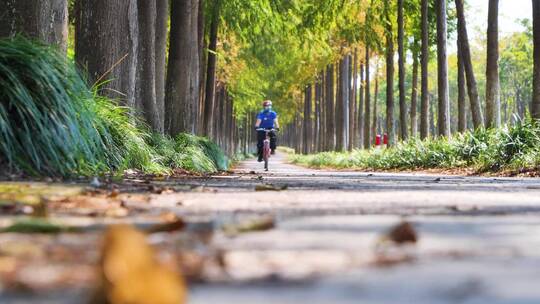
(267, 120)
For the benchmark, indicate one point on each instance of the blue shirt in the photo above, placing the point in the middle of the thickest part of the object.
(267, 119)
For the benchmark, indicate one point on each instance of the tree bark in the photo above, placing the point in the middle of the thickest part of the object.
(195, 66)
(401, 72)
(443, 121)
(146, 98)
(211, 70)
(162, 23)
(181, 97)
(353, 103)
(476, 108)
(493, 100)
(361, 106)
(367, 101)
(108, 56)
(535, 105)
(317, 127)
(424, 106)
(330, 113)
(374, 129)
(414, 95)
(462, 114)
(307, 120)
(46, 20)
(389, 79)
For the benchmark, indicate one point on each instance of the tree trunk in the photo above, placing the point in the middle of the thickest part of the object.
(162, 22)
(401, 72)
(146, 99)
(181, 97)
(195, 66)
(443, 121)
(46, 20)
(345, 101)
(389, 79)
(361, 106)
(317, 127)
(374, 129)
(353, 118)
(462, 114)
(211, 70)
(367, 108)
(414, 95)
(307, 120)
(535, 105)
(108, 56)
(330, 113)
(476, 109)
(424, 106)
(493, 100)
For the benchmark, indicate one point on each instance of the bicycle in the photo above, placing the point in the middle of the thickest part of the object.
(266, 146)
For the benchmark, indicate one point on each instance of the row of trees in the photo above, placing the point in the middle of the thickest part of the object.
(203, 66)
(157, 57)
(346, 118)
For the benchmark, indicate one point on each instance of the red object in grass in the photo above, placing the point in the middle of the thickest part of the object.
(385, 141)
(378, 140)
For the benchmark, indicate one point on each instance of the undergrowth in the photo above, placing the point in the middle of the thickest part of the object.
(515, 147)
(52, 123)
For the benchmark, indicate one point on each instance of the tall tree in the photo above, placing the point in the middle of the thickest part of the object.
(493, 102)
(535, 105)
(145, 90)
(443, 119)
(389, 76)
(197, 32)
(181, 98)
(401, 74)
(342, 105)
(462, 114)
(211, 70)
(330, 104)
(367, 101)
(162, 23)
(112, 54)
(414, 93)
(476, 109)
(375, 102)
(424, 106)
(46, 20)
(361, 105)
(307, 147)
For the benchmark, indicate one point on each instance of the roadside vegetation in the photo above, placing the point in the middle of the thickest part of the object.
(54, 124)
(510, 148)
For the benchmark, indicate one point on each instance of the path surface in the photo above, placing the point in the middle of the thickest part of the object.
(479, 238)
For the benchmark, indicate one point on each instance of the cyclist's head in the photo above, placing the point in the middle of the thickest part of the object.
(267, 105)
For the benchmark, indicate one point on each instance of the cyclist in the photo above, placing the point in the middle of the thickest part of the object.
(266, 119)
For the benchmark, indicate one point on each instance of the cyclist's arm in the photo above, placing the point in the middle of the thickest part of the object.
(276, 123)
(258, 123)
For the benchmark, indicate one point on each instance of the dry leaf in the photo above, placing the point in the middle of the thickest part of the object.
(403, 233)
(131, 274)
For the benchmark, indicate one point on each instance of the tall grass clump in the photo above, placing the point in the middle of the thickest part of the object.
(507, 148)
(47, 120)
(52, 123)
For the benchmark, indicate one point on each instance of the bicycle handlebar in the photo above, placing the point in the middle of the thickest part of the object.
(263, 129)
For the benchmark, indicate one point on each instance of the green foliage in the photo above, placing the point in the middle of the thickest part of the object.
(508, 148)
(47, 119)
(51, 123)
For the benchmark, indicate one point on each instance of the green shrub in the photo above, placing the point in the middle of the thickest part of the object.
(514, 147)
(52, 123)
(47, 119)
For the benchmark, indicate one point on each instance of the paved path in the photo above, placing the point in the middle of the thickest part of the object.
(479, 238)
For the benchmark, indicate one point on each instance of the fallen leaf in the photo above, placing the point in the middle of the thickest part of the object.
(270, 188)
(252, 225)
(402, 233)
(36, 226)
(130, 272)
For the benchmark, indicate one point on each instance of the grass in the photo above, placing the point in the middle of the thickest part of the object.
(512, 148)
(52, 123)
